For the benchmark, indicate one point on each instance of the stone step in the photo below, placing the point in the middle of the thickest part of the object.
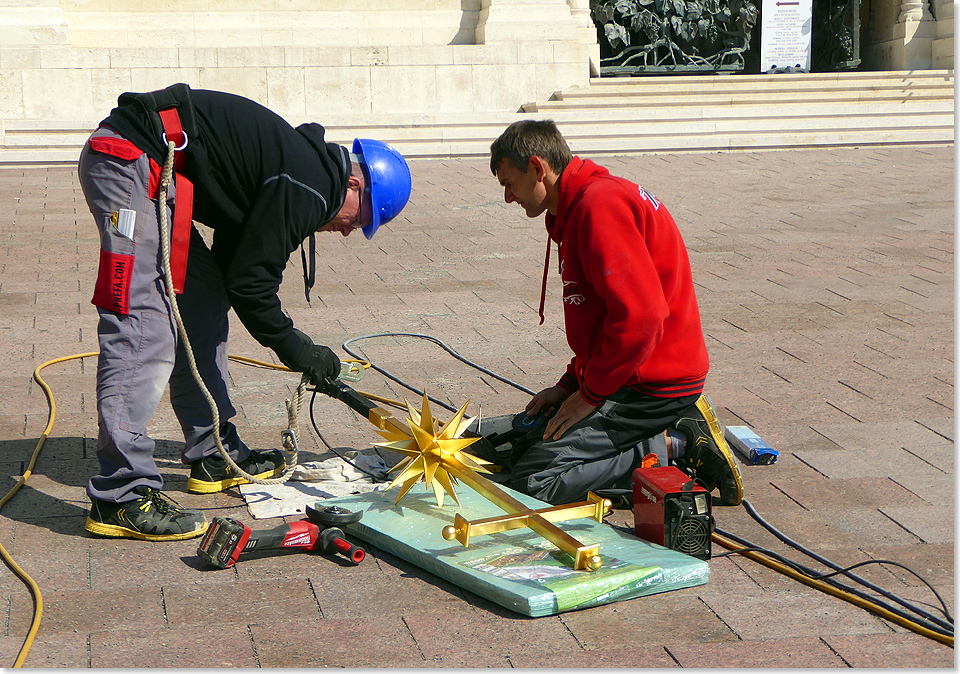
(694, 141)
(64, 146)
(638, 115)
(746, 99)
(617, 122)
(784, 81)
(799, 88)
(620, 127)
(935, 114)
(829, 113)
(598, 145)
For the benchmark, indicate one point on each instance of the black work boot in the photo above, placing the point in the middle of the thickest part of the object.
(707, 457)
(152, 517)
(212, 473)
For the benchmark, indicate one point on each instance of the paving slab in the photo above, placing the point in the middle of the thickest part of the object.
(891, 651)
(351, 643)
(758, 654)
(826, 287)
(92, 610)
(223, 603)
(69, 650)
(627, 656)
(193, 647)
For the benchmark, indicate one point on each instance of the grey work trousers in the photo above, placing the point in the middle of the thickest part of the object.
(597, 453)
(140, 351)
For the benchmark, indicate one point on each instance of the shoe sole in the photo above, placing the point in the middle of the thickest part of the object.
(706, 410)
(115, 531)
(197, 486)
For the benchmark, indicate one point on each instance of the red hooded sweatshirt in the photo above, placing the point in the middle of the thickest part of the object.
(628, 299)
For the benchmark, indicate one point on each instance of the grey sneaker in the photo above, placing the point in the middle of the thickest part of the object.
(707, 457)
(212, 473)
(152, 517)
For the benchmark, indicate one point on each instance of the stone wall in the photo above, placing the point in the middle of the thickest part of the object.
(306, 59)
(908, 35)
(942, 47)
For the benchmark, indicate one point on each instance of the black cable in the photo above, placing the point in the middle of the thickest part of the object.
(313, 422)
(946, 610)
(836, 567)
(929, 621)
(442, 346)
(387, 374)
(935, 625)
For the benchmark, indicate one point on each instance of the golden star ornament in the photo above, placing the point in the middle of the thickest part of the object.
(428, 449)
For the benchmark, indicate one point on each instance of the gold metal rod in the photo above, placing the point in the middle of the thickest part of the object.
(584, 556)
(518, 520)
(385, 421)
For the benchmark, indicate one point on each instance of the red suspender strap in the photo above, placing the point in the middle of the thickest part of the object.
(183, 207)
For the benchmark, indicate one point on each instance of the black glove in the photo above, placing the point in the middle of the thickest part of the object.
(315, 360)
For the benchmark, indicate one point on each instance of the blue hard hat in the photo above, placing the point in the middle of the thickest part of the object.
(389, 178)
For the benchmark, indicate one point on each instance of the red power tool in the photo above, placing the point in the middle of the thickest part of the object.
(227, 538)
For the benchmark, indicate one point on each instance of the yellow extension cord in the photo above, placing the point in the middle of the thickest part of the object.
(717, 538)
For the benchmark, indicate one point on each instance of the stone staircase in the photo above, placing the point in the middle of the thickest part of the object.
(730, 113)
(661, 114)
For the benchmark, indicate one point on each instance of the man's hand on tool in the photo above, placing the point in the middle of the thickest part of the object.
(572, 410)
(315, 360)
(547, 400)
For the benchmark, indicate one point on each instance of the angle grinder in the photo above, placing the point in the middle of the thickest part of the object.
(227, 538)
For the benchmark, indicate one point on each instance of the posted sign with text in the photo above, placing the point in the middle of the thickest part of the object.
(786, 28)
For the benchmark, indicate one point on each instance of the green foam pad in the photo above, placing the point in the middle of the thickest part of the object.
(518, 569)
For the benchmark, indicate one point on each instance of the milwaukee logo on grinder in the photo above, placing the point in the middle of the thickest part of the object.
(299, 539)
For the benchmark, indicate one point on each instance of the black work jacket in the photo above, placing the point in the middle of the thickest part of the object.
(262, 185)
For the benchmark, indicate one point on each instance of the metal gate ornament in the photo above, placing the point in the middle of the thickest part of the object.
(638, 36)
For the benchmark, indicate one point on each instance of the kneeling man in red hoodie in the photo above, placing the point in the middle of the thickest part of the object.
(634, 387)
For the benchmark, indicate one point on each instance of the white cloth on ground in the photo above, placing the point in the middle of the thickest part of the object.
(316, 481)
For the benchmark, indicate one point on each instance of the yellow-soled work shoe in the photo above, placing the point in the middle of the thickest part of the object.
(212, 473)
(707, 456)
(152, 517)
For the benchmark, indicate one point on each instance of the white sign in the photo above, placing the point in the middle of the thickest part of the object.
(786, 28)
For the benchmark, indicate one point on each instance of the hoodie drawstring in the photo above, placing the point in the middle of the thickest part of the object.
(543, 287)
(309, 277)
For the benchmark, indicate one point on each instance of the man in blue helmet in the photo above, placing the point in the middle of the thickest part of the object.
(263, 187)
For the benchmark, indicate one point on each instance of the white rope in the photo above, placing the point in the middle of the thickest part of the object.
(293, 408)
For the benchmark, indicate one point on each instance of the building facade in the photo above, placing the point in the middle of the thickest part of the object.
(63, 62)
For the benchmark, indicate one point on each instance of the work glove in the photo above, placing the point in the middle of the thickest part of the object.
(315, 360)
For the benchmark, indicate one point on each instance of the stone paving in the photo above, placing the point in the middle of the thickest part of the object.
(825, 279)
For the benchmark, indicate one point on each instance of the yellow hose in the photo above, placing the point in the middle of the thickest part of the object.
(370, 396)
(865, 604)
(8, 560)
